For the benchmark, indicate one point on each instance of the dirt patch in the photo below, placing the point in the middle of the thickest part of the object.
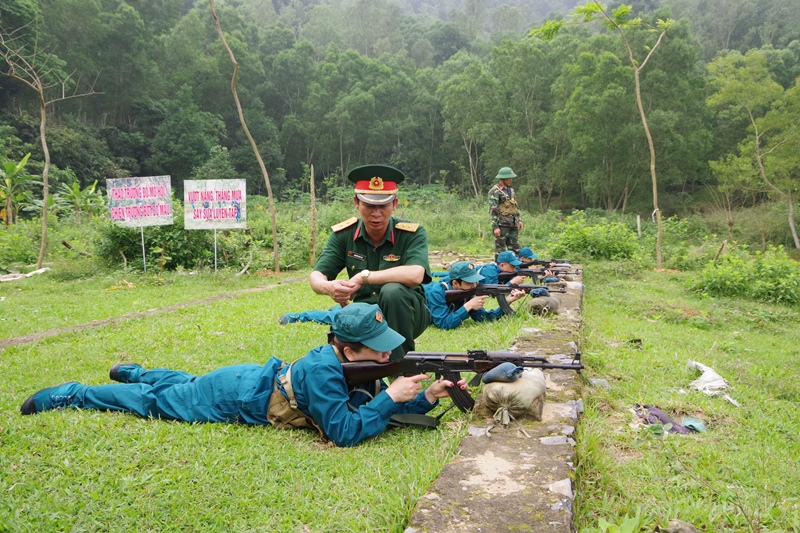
(97, 323)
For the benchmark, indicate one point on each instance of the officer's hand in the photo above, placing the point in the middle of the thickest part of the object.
(476, 303)
(520, 225)
(515, 295)
(518, 280)
(405, 389)
(342, 291)
(496, 232)
(439, 388)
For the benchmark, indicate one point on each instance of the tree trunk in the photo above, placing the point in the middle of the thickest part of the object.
(313, 257)
(275, 251)
(473, 172)
(45, 182)
(791, 223)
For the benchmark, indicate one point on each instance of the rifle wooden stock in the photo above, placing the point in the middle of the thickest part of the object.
(449, 365)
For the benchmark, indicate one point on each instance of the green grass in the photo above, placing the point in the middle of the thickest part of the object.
(96, 471)
(91, 471)
(743, 473)
(43, 302)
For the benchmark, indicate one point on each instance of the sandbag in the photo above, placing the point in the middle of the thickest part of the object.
(524, 396)
(544, 305)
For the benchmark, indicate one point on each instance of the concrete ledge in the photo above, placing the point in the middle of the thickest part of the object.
(519, 477)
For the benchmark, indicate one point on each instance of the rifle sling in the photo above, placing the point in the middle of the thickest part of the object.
(405, 420)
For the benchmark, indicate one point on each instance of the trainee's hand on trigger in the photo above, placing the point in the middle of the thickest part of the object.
(406, 388)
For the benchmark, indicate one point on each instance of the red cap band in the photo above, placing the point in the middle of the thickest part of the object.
(376, 186)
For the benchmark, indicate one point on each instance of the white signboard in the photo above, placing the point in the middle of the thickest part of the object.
(214, 204)
(137, 202)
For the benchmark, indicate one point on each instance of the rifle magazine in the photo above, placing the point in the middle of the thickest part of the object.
(461, 398)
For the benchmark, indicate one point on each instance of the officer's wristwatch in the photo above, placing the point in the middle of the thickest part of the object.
(364, 277)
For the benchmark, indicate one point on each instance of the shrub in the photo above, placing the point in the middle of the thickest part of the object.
(187, 249)
(604, 240)
(769, 276)
(17, 247)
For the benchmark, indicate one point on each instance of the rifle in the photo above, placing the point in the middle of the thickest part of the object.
(449, 365)
(534, 273)
(499, 291)
(547, 262)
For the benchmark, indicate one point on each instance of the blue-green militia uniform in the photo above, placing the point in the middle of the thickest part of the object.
(241, 393)
(405, 243)
(450, 316)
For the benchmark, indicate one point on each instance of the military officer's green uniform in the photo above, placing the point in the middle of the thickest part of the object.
(404, 243)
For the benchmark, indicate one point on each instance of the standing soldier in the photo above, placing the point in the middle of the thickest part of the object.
(503, 208)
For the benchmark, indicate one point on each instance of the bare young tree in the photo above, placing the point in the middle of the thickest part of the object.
(275, 252)
(43, 73)
(619, 20)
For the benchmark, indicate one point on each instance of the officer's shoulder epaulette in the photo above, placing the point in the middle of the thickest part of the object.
(344, 224)
(407, 226)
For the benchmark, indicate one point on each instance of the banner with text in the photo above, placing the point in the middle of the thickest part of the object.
(214, 204)
(136, 202)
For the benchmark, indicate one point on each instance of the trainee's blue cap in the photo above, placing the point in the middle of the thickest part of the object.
(464, 271)
(508, 257)
(527, 253)
(365, 323)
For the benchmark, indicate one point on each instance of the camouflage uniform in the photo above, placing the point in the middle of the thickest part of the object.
(505, 215)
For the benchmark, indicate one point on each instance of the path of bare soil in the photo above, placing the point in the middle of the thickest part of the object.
(96, 323)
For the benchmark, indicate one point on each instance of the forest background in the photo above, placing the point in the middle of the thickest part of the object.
(446, 91)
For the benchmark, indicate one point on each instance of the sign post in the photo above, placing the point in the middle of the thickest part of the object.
(140, 202)
(215, 204)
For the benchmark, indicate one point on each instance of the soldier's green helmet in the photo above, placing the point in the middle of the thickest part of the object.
(505, 173)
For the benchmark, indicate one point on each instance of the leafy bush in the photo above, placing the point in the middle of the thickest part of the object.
(769, 276)
(187, 249)
(603, 240)
(73, 268)
(19, 243)
(16, 249)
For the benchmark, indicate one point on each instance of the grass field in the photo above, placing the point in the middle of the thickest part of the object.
(93, 471)
(742, 473)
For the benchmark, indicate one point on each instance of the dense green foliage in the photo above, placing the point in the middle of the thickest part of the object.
(607, 239)
(446, 91)
(769, 276)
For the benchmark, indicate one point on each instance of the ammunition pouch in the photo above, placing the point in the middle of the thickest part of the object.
(282, 412)
(509, 208)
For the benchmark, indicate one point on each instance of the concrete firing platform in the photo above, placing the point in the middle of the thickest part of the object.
(505, 480)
